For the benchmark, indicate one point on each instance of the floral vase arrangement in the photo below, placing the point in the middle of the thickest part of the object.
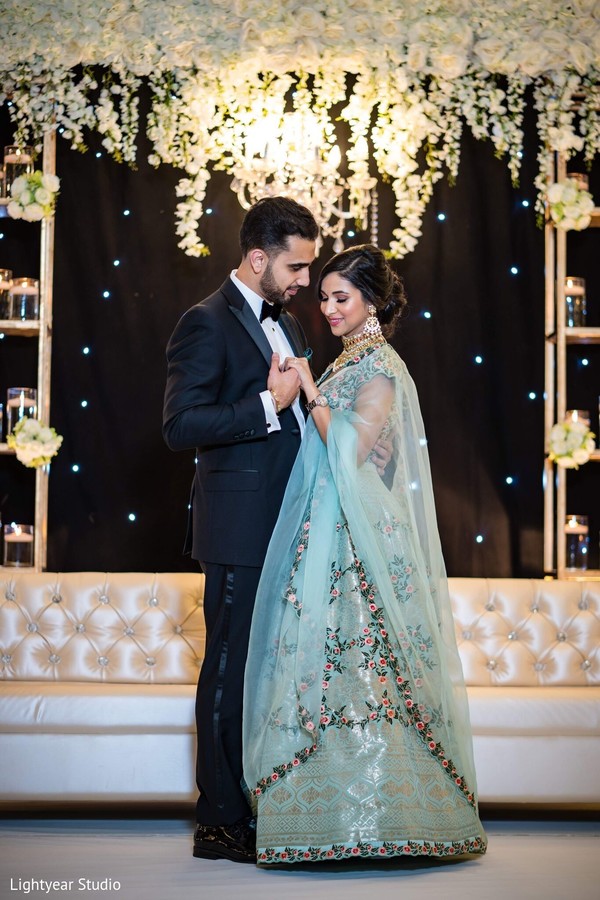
(570, 206)
(33, 196)
(571, 444)
(33, 442)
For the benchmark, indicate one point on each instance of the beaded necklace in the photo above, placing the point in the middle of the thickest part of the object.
(355, 348)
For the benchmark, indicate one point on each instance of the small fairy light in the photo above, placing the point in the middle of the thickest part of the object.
(126, 212)
(132, 517)
(532, 395)
(98, 155)
(525, 203)
(514, 270)
(84, 403)
(351, 234)
(1, 235)
(86, 351)
(585, 361)
(479, 539)
(75, 468)
(441, 217)
(116, 262)
(209, 211)
(1, 336)
(106, 294)
(478, 360)
(426, 314)
(509, 479)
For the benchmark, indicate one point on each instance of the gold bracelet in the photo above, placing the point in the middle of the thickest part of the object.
(278, 406)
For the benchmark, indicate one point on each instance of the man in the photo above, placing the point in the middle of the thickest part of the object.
(227, 397)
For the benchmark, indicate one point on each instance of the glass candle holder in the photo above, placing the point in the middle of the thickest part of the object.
(576, 302)
(17, 161)
(25, 298)
(577, 542)
(578, 415)
(21, 403)
(18, 545)
(5, 286)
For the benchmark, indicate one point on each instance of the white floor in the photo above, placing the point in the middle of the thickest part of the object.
(150, 859)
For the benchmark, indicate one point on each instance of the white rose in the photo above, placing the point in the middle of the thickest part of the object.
(33, 213)
(417, 56)
(309, 21)
(51, 183)
(18, 185)
(555, 192)
(448, 63)
(582, 223)
(14, 210)
(580, 456)
(42, 196)
(491, 52)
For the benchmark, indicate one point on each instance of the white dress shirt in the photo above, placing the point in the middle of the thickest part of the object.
(279, 343)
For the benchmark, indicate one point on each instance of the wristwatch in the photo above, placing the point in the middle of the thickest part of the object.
(320, 400)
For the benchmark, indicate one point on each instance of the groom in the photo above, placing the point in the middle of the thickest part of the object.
(227, 398)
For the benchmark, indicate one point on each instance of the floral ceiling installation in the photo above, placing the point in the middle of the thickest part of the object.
(403, 78)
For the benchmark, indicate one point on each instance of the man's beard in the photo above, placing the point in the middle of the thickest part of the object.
(270, 290)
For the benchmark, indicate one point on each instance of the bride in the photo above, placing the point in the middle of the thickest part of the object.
(356, 732)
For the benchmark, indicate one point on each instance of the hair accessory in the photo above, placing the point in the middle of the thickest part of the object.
(372, 326)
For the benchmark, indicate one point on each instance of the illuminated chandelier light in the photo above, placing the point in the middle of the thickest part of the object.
(295, 155)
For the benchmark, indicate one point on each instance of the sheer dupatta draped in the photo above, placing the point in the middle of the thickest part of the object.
(392, 525)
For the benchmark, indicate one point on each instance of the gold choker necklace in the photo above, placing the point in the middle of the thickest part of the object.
(355, 347)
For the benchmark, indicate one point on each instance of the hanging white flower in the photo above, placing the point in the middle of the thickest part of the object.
(571, 444)
(570, 206)
(33, 442)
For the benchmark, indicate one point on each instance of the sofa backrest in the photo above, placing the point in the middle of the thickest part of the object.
(144, 627)
(94, 626)
(526, 631)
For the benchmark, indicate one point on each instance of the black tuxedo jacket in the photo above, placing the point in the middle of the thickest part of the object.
(218, 361)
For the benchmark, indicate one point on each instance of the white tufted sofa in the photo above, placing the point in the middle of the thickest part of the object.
(98, 675)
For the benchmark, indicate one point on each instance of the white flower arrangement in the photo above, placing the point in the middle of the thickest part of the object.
(33, 196)
(571, 444)
(570, 206)
(33, 442)
(420, 72)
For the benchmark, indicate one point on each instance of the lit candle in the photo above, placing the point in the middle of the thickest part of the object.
(18, 545)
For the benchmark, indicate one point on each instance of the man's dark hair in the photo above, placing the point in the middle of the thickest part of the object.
(270, 222)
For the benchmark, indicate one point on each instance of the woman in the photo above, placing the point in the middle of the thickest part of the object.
(356, 730)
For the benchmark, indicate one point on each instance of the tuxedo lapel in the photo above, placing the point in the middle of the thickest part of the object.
(292, 333)
(246, 317)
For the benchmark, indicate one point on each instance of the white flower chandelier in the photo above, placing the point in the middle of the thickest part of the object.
(257, 88)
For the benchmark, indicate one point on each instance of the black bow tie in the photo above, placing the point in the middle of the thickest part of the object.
(270, 311)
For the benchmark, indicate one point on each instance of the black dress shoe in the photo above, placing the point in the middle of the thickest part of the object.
(236, 842)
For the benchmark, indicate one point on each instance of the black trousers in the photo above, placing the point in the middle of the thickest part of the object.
(229, 597)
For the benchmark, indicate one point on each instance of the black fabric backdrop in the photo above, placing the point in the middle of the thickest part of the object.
(481, 424)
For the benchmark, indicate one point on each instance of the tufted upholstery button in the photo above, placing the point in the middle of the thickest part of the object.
(583, 603)
(153, 601)
(103, 599)
(539, 666)
(56, 598)
(80, 628)
(150, 661)
(10, 595)
(561, 636)
(54, 658)
(178, 629)
(490, 606)
(513, 636)
(102, 660)
(6, 658)
(467, 635)
(586, 664)
(535, 608)
(492, 664)
(33, 627)
(128, 631)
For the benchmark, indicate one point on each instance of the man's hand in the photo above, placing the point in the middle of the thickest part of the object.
(381, 454)
(285, 386)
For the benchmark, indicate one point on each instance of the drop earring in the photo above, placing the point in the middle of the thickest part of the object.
(372, 326)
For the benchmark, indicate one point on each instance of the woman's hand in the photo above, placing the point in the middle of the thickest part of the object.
(301, 366)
